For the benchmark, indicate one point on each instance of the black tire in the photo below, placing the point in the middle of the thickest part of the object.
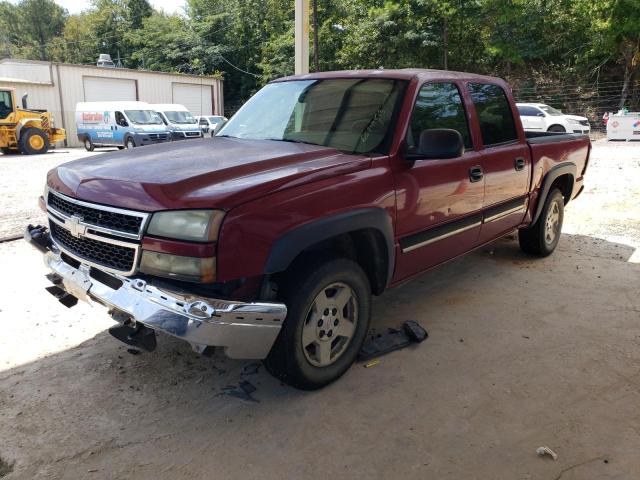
(8, 151)
(129, 143)
(557, 129)
(288, 360)
(120, 147)
(31, 136)
(88, 144)
(535, 239)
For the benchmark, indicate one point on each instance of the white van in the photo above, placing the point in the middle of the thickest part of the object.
(180, 122)
(119, 124)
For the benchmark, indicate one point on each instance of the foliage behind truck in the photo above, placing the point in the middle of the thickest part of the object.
(23, 130)
(322, 190)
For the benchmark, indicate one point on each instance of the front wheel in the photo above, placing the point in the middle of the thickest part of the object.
(542, 238)
(33, 141)
(129, 143)
(329, 306)
(557, 129)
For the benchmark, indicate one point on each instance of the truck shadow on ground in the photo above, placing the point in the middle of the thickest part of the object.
(105, 398)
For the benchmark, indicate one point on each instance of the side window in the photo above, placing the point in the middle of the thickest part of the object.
(203, 121)
(494, 114)
(528, 111)
(438, 106)
(6, 105)
(120, 120)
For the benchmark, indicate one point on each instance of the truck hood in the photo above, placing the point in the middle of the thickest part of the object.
(204, 173)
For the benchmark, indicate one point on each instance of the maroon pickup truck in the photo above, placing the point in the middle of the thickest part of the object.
(269, 239)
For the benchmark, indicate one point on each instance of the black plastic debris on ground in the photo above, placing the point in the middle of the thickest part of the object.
(393, 340)
(242, 391)
(251, 369)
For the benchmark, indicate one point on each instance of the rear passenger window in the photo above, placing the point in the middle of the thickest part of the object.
(438, 106)
(494, 114)
(527, 111)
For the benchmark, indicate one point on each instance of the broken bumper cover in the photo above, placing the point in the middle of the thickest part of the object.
(244, 330)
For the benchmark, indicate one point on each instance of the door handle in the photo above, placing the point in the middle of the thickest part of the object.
(520, 163)
(476, 173)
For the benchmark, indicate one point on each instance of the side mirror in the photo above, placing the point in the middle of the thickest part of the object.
(540, 114)
(438, 143)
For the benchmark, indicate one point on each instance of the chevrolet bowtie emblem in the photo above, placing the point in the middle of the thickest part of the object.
(75, 225)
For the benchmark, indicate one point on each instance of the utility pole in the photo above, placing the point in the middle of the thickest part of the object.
(302, 36)
(316, 63)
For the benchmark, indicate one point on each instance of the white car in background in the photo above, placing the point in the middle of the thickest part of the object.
(538, 117)
(210, 124)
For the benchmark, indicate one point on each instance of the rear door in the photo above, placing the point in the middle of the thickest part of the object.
(439, 204)
(506, 160)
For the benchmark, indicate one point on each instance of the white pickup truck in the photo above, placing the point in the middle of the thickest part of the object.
(538, 117)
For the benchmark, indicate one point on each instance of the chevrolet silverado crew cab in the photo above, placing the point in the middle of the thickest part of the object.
(324, 189)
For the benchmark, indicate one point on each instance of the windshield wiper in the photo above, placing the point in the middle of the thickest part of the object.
(291, 140)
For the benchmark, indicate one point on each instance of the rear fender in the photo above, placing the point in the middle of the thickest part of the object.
(551, 176)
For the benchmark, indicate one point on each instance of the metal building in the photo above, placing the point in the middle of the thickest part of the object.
(59, 86)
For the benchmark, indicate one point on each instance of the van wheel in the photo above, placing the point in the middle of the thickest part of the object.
(557, 129)
(88, 144)
(33, 141)
(120, 147)
(129, 143)
(542, 238)
(328, 311)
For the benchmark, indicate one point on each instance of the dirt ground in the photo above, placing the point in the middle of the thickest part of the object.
(521, 353)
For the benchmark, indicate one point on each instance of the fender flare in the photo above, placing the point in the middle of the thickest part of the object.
(561, 169)
(21, 124)
(286, 248)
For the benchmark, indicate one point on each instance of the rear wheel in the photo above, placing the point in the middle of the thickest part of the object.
(8, 151)
(542, 238)
(557, 129)
(328, 311)
(33, 141)
(88, 144)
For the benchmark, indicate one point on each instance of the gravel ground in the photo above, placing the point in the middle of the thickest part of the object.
(522, 353)
(21, 184)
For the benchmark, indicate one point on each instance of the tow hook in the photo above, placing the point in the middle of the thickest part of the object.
(136, 335)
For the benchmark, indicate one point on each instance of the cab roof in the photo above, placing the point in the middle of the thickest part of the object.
(422, 74)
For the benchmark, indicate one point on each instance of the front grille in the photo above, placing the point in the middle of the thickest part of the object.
(158, 136)
(101, 218)
(106, 254)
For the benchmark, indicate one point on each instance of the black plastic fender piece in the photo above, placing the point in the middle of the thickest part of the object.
(561, 169)
(393, 340)
(287, 247)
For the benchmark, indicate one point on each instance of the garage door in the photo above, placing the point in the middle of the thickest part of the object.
(97, 89)
(197, 98)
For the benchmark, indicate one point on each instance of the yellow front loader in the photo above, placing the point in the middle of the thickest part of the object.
(25, 131)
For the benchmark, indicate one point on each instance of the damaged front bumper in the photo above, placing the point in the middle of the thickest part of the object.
(244, 330)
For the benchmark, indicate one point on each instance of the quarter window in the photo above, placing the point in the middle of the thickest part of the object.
(494, 114)
(438, 106)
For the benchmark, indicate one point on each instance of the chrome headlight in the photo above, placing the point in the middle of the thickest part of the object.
(190, 225)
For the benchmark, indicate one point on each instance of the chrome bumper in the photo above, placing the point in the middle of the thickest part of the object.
(244, 330)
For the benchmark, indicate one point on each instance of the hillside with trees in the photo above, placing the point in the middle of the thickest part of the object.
(572, 53)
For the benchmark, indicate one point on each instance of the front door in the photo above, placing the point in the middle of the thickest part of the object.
(505, 160)
(439, 202)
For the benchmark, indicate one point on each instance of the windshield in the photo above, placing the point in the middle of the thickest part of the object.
(143, 117)
(216, 119)
(349, 114)
(181, 117)
(551, 110)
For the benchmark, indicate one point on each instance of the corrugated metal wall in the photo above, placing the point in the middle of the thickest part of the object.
(152, 87)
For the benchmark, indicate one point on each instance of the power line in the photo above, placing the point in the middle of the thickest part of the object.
(238, 68)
